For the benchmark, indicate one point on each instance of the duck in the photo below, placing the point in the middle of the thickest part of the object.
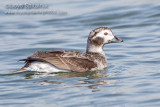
(63, 60)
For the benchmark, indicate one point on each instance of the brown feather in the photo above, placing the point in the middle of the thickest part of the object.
(20, 70)
(67, 60)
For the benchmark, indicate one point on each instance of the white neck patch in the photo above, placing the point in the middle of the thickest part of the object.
(95, 49)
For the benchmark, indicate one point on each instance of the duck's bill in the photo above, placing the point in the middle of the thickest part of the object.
(116, 40)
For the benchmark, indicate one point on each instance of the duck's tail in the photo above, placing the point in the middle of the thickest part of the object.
(20, 70)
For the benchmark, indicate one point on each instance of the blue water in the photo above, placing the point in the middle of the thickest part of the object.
(132, 78)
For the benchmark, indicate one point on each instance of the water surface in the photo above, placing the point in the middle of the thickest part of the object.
(133, 75)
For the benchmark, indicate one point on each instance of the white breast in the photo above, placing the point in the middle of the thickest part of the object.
(100, 66)
(43, 67)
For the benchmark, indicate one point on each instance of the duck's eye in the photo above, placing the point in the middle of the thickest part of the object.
(105, 33)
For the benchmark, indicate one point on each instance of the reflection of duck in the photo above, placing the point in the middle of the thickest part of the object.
(91, 80)
(55, 61)
(88, 75)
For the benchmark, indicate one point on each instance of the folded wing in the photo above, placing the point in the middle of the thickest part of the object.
(66, 60)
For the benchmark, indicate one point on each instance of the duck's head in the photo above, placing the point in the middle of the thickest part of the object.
(99, 37)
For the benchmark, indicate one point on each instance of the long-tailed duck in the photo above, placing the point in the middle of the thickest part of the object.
(61, 60)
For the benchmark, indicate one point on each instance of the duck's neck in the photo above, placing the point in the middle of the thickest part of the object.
(91, 48)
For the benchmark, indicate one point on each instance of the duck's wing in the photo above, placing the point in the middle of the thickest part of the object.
(67, 60)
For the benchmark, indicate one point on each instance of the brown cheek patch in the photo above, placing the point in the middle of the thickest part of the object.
(98, 41)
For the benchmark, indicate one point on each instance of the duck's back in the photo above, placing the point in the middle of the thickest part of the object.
(60, 60)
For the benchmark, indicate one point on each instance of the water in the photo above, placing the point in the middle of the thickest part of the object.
(132, 78)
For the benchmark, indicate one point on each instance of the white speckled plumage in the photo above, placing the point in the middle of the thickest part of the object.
(42, 67)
